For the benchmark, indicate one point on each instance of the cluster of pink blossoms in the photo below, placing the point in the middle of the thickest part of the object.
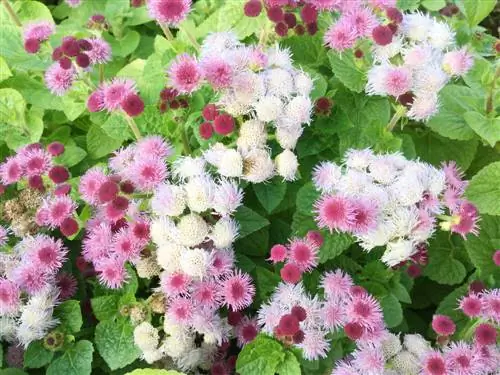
(387, 200)
(30, 286)
(35, 164)
(416, 356)
(36, 33)
(294, 317)
(118, 94)
(168, 12)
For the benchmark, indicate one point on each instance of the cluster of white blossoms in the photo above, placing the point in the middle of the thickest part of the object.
(418, 62)
(387, 200)
(264, 90)
(193, 231)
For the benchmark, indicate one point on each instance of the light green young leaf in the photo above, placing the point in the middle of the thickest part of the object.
(486, 127)
(31, 11)
(99, 144)
(262, 356)
(484, 189)
(4, 70)
(12, 107)
(77, 360)
(345, 69)
(475, 11)
(290, 366)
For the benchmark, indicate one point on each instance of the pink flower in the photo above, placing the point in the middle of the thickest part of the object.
(443, 325)
(485, 334)
(290, 273)
(185, 74)
(340, 36)
(114, 92)
(170, 12)
(382, 4)
(433, 364)
(364, 310)
(303, 254)
(36, 162)
(100, 52)
(11, 170)
(246, 331)
(154, 146)
(125, 247)
(9, 297)
(140, 231)
(397, 80)
(491, 304)
(58, 208)
(369, 360)
(314, 344)
(334, 212)
(40, 31)
(146, 173)
(471, 305)
(180, 310)
(336, 284)
(362, 21)
(495, 257)
(29, 278)
(122, 160)
(174, 284)
(95, 101)
(457, 63)
(47, 254)
(236, 290)
(90, 184)
(465, 224)
(333, 315)
(278, 253)
(205, 294)
(315, 237)
(344, 368)
(67, 285)
(327, 4)
(97, 243)
(461, 359)
(217, 72)
(111, 272)
(454, 176)
(365, 213)
(222, 262)
(59, 80)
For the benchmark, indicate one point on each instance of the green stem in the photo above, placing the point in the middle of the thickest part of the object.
(400, 112)
(185, 141)
(133, 126)
(101, 73)
(191, 38)
(11, 12)
(167, 32)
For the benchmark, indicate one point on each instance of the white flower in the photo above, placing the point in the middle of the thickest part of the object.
(380, 236)
(199, 193)
(407, 189)
(268, 108)
(435, 181)
(192, 230)
(168, 257)
(215, 153)
(258, 166)
(354, 182)
(385, 53)
(299, 109)
(287, 165)
(405, 363)
(151, 356)
(168, 200)
(287, 136)
(7, 328)
(252, 135)
(224, 232)
(418, 55)
(359, 159)
(404, 219)
(416, 344)
(376, 84)
(441, 35)
(303, 83)
(279, 57)
(148, 267)
(217, 43)
(163, 231)
(391, 346)
(190, 359)
(227, 197)
(382, 170)
(146, 337)
(279, 82)
(397, 252)
(424, 107)
(187, 166)
(429, 80)
(326, 175)
(417, 26)
(176, 344)
(247, 87)
(195, 262)
(230, 164)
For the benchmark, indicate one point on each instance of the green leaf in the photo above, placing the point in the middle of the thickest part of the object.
(13, 51)
(400, 292)
(36, 355)
(290, 366)
(72, 156)
(124, 46)
(435, 149)
(105, 307)
(99, 144)
(266, 281)
(306, 196)
(393, 313)
(133, 70)
(12, 107)
(35, 92)
(443, 268)
(77, 360)
(345, 69)
(475, 11)
(150, 371)
(481, 248)
(270, 194)
(4, 70)
(302, 223)
(30, 11)
(408, 4)
(449, 122)
(334, 245)
(488, 128)
(249, 221)
(115, 342)
(153, 79)
(484, 189)
(312, 56)
(70, 315)
(13, 371)
(116, 127)
(262, 356)
(433, 5)
(449, 306)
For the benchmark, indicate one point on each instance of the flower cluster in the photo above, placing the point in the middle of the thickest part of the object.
(170, 98)
(48, 193)
(168, 12)
(36, 33)
(415, 356)
(72, 55)
(300, 255)
(29, 288)
(387, 200)
(118, 94)
(294, 317)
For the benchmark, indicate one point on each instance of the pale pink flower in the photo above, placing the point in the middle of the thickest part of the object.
(73, 3)
(11, 170)
(491, 305)
(185, 74)
(236, 290)
(153, 146)
(365, 215)
(461, 359)
(111, 272)
(58, 208)
(35, 162)
(169, 12)
(125, 246)
(29, 278)
(218, 72)
(114, 92)
(59, 80)
(146, 173)
(9, 297)
(369, 360)
(340, 36)
(222, 262)
(204, 293)
(364, 310)
(41, 30)
(314, 345)
(457, 63)
(397, 80)
(454, 176)
(180, 310)
(334, 212)
(333, 314)
(382, 4)
(90, 183)
(100, 52)
(97, 243)
(337, 284)
(361, 20)
(47, 254)
(467, 221)
(246, 330)
(326, 4)
(174, 284)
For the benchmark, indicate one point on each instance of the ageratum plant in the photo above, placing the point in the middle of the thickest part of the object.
(256, 187)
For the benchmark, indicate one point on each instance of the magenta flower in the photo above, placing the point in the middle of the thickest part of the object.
(35, 162)
(433, 363)
(11, 170)
(443, 325)
(236, 290)
(303, 254)
(59, 80)
(340, 36)
(169, 12)
(174, 284)
(180, 310)
(100, 53)
(334, 212)
(364, 310)
(114, 92)
(9, 297)
(185, 74)
(246, 330)
(47, 254)
(205, 294)
(90, 184)
(67, 285)
(147, 173)
(111, 272)
(154, 146)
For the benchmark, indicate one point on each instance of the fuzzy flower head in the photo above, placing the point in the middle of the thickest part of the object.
(236, 290)
(185, 74)
(303, 253)
(340, 36)
(100, 52)
(334, 212)
(59, 80)
(9, 297)
(11, 170)
(40, 31)
(111, 272)
(169, 12)
(114, 92)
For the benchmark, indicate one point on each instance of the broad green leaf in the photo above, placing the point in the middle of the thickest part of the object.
(31, 11)
(476, 10)
(150, 371)
(433, 5)
(249, 221)
(400, 292)
(36, 355)
(105, 307)
(115, 342)
(99, 144)
(312, 56)
(116, 127)
(124, 46)
(266, 281)
(481, 248)
(4, 70)
(334, 245)
(133, 70)
(255, 244)
(262, 356)
(302, 223)
(290, 366)
(77, 360)
(393, 313)
(69, 314)
(408, 4)
(153, 79)
(270, 194)
(12, 107)
(306, 196)
(72, 156)
(345, 69)
(488, 128)
(443, 268)
(13, 51)
(35, 92)
(13, 371)
(484, 189)
(449, 306)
